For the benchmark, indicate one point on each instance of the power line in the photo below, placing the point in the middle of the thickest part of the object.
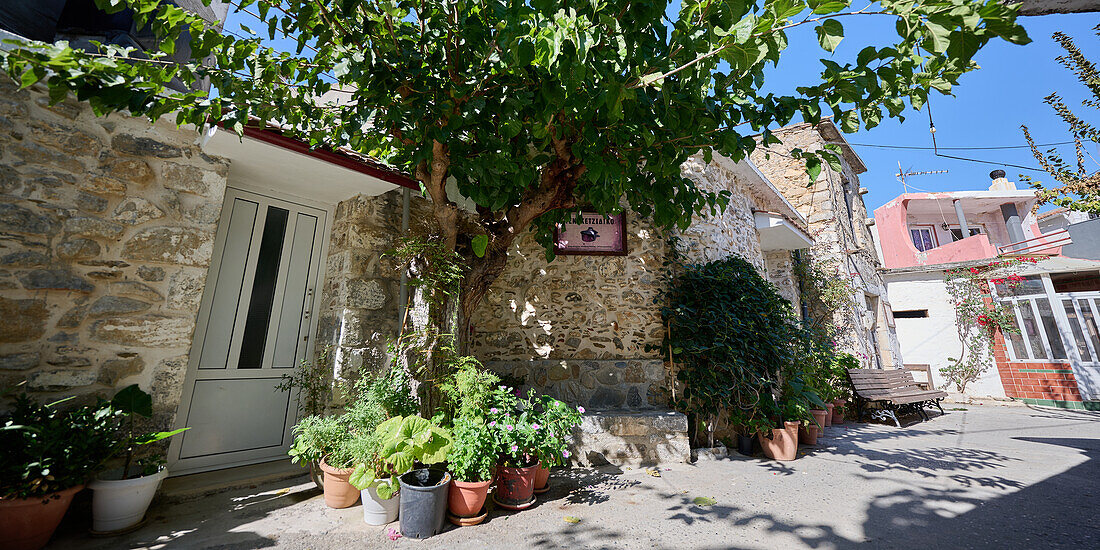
(915, 147)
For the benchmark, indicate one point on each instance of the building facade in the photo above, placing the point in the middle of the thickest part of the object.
(843, 244)
(1050, 357)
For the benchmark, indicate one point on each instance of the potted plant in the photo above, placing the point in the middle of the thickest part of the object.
(49, 453)
(472, 462)
(554, 422)
(840, 386)
(406, 441)
(120, 497)
(779, 443)
(375, 481)
(324, 440)
(516, 435)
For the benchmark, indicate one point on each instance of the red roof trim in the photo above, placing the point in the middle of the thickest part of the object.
(276, 138)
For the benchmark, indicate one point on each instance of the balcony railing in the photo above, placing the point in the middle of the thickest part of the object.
(1042, 243)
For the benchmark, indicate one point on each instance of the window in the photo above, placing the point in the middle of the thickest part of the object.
(922, 238)
(957, 235)
(1079, 281)
(911, 314)
(1032, 285)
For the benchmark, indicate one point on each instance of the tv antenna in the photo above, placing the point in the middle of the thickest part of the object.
(903, 174)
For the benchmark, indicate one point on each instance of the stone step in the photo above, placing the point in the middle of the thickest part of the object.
(631, 438)
(194, 486)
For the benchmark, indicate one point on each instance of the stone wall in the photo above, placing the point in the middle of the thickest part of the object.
(587, 329)
(106, 230)
(360, 294)
(779, 267)
(836, 214)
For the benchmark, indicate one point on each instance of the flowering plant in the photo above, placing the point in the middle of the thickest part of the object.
(977, 316)
(515, 427)
(554, 422)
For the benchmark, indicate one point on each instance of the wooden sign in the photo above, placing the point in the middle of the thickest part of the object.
(596, 236)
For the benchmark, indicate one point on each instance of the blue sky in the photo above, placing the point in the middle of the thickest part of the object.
(986, 110)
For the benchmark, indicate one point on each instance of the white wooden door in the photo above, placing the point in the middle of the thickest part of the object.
(256, 322)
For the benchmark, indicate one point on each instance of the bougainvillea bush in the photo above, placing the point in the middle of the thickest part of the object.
(978, 317)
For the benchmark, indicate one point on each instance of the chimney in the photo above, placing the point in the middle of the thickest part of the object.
(1000, 183)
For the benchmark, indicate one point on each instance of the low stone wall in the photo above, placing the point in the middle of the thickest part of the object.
(594, 384)
(106, 231)
(643, 438)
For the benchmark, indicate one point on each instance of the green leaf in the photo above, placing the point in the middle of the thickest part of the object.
(813, 167)
(821, 7)
(479, 243)
(704, 501)
(362, 477)
(157, 436)
(829, 34)
(132, 400)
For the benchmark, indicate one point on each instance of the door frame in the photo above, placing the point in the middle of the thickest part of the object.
(203, 317)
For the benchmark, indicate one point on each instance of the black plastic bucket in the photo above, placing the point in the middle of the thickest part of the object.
(423, 502)
(744, 444)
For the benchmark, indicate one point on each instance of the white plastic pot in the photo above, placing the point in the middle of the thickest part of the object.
(118, 504)
(379, 511)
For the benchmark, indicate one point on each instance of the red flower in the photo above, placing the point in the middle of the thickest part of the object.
(974, 270)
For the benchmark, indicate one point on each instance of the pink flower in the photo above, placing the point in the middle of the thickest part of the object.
(493, 410)
(535, 426)
(515, 448)
(565, 454)
(394, 534)
(551, 434)
(493, 423)
(580, 410)
(510, 428)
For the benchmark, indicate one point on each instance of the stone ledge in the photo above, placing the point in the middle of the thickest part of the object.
(631, 438)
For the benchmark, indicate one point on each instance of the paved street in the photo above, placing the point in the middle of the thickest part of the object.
(988, 476)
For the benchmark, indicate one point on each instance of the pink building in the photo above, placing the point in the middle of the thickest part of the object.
(1054, 357)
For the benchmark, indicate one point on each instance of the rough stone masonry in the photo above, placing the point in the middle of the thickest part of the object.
(107, 227)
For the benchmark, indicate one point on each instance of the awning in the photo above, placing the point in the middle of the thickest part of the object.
(778, 233)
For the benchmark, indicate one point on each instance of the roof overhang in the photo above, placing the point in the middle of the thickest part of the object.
(774, 200)
(264, 158)
(778, 233)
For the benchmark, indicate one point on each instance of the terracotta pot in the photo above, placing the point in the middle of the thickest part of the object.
(783, 444)
(542, 478)
(807, 433)
(820, 416)
(466, 498)
(838, 410)
(829, 414)
(339, 493)
(516, 487)
(28, 523)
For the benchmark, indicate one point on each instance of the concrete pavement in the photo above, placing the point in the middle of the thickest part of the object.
(988, 476)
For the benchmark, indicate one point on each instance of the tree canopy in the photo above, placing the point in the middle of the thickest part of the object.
(1078, 187)
(533, 108)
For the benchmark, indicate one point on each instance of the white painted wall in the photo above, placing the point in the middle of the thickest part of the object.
(933, 339)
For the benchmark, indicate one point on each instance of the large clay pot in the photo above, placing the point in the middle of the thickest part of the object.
(119, 504)
(339, 493)
(423, 502)
(516, 487)
(28, 523)
(467, 498)
(838, 410)
(783, 444)
(542, 477)
(819, 419)
(829, 414)
(807, 433)
(378, 510)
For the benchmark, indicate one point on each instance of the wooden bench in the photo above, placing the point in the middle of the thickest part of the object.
(894, 390)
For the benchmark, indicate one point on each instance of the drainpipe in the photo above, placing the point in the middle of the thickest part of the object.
(1012, 223)
(403, 294)
(963, 228)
